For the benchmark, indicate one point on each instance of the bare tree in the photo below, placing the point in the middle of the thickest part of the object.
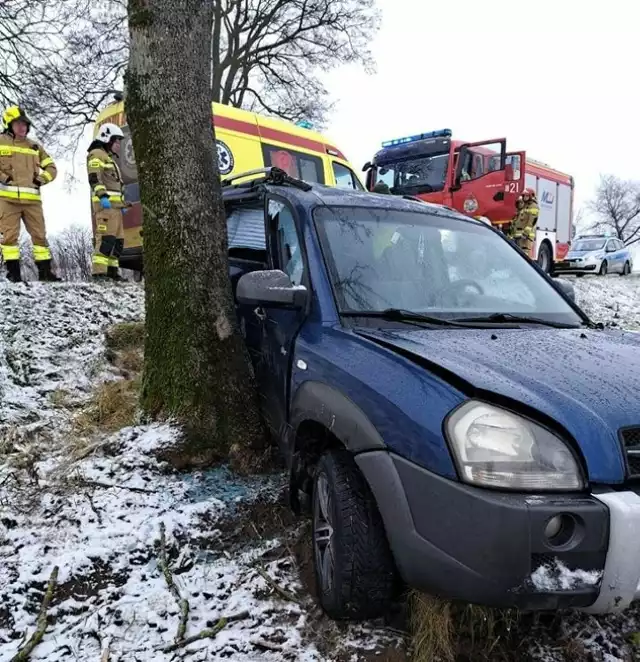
(71, 250)
(616, 206)
(196, 366)
(267, 54)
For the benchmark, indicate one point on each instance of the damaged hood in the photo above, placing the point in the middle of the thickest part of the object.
(588, 381)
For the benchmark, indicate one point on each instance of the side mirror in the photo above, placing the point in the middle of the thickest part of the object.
(271, 289)
(367, 166)
(567, 288)
(462, 157)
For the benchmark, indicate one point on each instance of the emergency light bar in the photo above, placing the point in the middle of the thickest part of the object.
(304, 124)
(442, 133)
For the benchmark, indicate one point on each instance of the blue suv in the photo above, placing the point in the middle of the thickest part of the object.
(451, 420)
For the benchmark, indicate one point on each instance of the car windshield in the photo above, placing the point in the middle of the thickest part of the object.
(584, 245)
(432, 264)
(420, 175)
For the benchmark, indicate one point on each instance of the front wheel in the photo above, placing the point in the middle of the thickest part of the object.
(626, 270)
(604, 269)
(354, 568)
(545, 258)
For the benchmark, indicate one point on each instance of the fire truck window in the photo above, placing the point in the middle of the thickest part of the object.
(512, 160)
(296, 164)
(422, 175)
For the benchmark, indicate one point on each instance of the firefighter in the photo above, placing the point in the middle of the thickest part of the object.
(523, 228)
(107, 200)
(25, 167)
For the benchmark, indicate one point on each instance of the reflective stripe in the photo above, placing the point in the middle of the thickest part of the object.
(11, 252)
(99, 187)
(47, 162)
(8, 150)
(46, 175)
(17, 193)
(96, 163)
(102, 260)
(18, 189)
(113, 197)
(41, 253)
(114, 262)
(102, 228)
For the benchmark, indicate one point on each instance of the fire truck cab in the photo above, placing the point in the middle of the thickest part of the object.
(478, 179)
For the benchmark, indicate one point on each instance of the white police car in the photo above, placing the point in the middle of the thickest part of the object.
(596, 254)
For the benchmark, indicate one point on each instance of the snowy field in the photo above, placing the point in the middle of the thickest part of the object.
(110, 517)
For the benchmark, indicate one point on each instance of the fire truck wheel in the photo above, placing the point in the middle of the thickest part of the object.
(604, 268)
(545, 258)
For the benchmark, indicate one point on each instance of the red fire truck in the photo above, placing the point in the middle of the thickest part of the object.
(478, 179)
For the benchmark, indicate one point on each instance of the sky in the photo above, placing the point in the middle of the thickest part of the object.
(555, 78)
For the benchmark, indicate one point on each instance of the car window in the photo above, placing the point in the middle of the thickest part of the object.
(296, 164)
(345, 178)
(285, 245)
(425, 262)
(245, 228)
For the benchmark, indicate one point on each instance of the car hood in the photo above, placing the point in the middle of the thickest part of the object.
(586, 380)
(581, 254)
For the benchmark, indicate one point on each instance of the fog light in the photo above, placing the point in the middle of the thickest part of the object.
(560, 529)
(553, 527)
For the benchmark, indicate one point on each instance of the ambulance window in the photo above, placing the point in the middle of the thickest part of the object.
(345, 177)
(296, 164)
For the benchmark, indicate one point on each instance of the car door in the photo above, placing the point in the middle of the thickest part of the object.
(279, 327)
(611, 255)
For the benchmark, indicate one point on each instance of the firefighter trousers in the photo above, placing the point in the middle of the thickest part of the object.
(109, 239)
(11, 213)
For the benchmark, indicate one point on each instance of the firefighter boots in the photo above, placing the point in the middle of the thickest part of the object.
(45, 273)
(13, 271)
(112, 272)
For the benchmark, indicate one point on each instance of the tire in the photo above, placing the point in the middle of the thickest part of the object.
(604, 269)
(579, 275)
(545, 258)
(354, 569)
(626, 270)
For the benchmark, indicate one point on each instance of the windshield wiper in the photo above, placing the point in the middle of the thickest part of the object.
(523, 319)
(400, 315)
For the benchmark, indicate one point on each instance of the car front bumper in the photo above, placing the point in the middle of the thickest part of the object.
(574, 267)
(488, 547)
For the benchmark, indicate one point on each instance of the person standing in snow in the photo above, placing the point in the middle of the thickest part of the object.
(25, 167)
(107, 200)
(523, 229)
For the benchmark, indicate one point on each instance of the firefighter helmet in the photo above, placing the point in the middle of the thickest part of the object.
(12, 114)
(108, 132)
(530, 192)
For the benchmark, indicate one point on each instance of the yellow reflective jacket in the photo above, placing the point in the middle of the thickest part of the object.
(104, 175)
(526, 221)
(25, 166)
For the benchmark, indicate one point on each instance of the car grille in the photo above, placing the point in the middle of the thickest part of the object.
(631, 443)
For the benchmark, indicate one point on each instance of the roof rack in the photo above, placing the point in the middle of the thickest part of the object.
(272, 175)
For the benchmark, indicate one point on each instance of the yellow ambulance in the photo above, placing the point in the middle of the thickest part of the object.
(245, 141)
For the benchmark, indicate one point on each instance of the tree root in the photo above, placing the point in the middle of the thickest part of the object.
(183, 604)
(41, 624)
(208, 633)
(290, 597)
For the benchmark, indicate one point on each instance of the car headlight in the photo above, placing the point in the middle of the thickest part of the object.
(494, 447)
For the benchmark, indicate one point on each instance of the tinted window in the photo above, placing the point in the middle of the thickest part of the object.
(245, 228)
(588, 245)
(428, 263)
(295, 164)
(286, 249)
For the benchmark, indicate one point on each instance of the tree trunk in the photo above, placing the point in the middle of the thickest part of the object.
(196, 366)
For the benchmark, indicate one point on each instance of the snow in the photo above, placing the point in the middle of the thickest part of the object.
(98, 517)
(557, 577)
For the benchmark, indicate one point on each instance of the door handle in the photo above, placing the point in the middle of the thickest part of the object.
(260, 314)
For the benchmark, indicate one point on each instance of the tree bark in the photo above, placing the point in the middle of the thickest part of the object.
(196, 366)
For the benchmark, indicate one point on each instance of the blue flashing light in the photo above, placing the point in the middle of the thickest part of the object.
(442, 133)
(304, 124)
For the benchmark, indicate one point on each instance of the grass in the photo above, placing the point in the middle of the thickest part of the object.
(114, 404)
(444, 631)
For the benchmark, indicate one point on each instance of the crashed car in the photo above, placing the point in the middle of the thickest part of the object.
(451, 419)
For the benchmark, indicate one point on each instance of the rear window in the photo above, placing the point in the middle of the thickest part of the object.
(295, 164)
(245, 228)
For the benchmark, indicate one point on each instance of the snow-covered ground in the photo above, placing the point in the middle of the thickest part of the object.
(95, 508)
